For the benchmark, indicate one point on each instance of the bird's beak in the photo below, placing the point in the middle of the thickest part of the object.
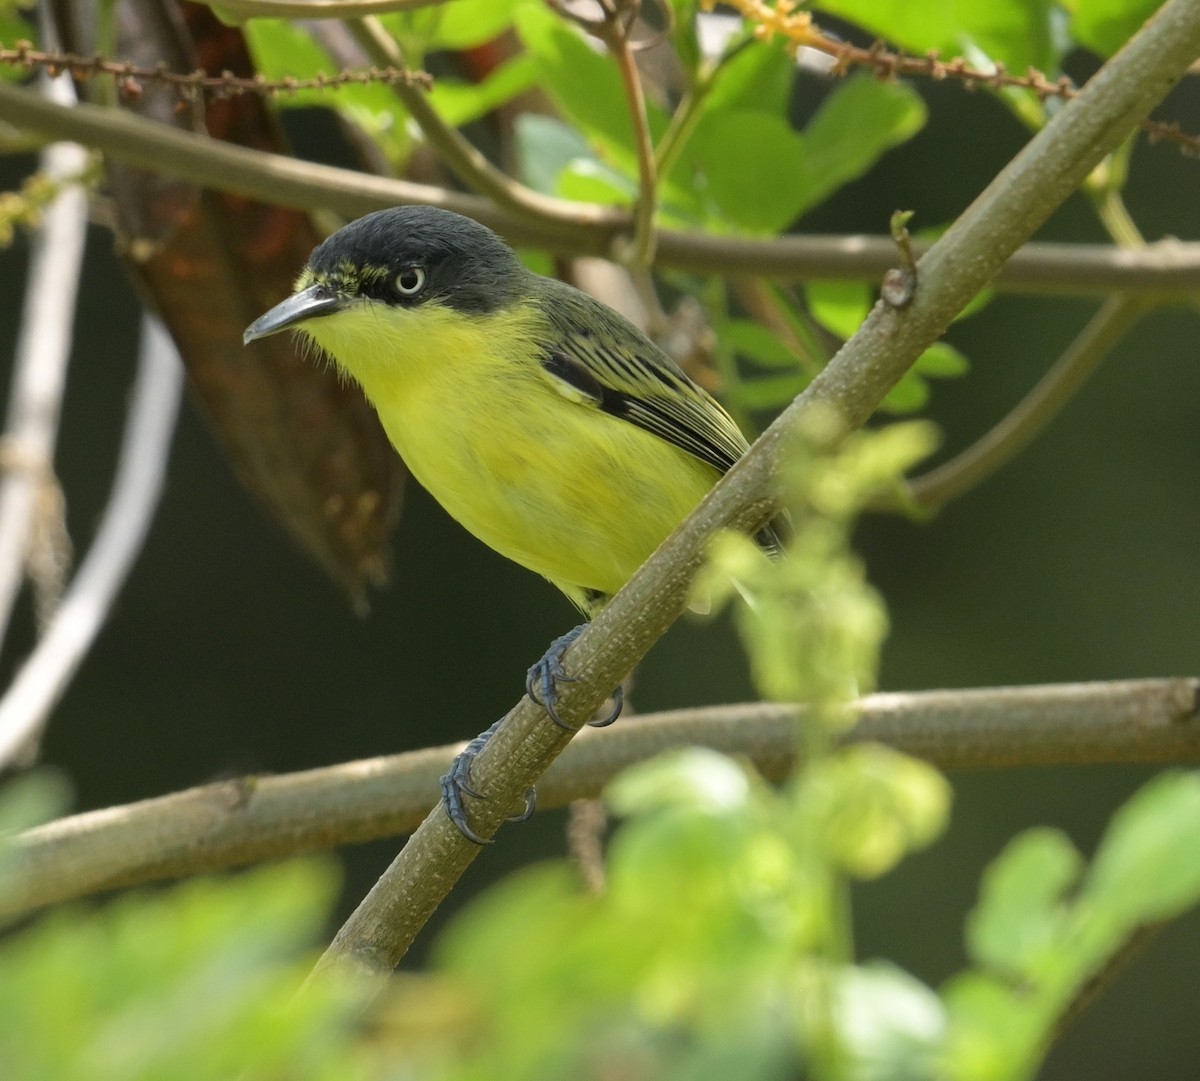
(310, 303)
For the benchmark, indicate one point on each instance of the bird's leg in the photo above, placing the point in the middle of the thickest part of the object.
(541, 683)
(542, 680)
(457, 783)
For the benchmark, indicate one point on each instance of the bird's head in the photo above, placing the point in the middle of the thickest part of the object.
(391, 275)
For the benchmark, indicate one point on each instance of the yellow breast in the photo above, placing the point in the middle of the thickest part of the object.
(560, 487)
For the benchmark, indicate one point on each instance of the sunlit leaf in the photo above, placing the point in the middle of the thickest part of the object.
(467, 23)
(753, 168)
(840, 306)
(858, 123)
(461, 102)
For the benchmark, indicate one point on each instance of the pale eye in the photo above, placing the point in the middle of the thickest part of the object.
(410, 281)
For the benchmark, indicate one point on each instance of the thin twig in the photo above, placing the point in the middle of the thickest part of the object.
(136, 488)
(1045, 401)
(615, 31)
(1050, 167)
(1168, 270)
(132, 78)
(251, 819)
(40, 364)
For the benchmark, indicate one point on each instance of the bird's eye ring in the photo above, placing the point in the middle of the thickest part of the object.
(410, 281)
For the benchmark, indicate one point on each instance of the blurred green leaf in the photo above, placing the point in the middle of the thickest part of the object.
(460, 102)
(190, 984)
(942, 361)
(753, 167)
(771, 392)
(910, 395)
(1146, 868)
(545, 147)
(758, 76)
(589, 180)
(1021, 917)
(871, 806)
(858, 123)
(693, 777)
(990, 1028)
(467, 23)
(584, 84)
(839, 306)
(755, 342)
(1017, 34)
(1105, 25)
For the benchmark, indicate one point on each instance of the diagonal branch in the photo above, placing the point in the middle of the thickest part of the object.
(1054, 163)
(1045, 401)
(230, 823)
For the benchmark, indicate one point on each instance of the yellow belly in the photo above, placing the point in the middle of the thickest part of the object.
(576, 495)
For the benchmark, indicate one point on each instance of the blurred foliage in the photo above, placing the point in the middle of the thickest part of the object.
(721, 942)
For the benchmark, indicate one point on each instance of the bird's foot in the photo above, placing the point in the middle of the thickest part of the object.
(457, 783)
(542, 680)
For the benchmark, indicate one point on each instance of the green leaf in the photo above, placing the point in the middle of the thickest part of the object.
(1021, 917)
(753, 167)
(1018, 33)
(908, 396)
(590, 181)
(545, 147)
(461, 102)
(860, 121)
(758, 76)
(1105, 25)
(693, 777)
(192, 983)
(839, 306)
(769, 393)
(991, 1028)
(585, 85)
(942, 361)
(871, 806)
(1146, 867)
(467, 23)
(756, 342)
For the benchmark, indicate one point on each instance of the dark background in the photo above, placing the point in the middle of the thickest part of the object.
(228, 653)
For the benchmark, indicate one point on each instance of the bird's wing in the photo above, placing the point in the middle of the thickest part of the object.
(627, 376)
(598, 358)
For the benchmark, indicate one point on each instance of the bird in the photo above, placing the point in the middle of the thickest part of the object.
(543, 421)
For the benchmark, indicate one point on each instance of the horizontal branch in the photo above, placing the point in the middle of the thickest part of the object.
(1166, 270)
(251, 819)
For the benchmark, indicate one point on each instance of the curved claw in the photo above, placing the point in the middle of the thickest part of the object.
(618, 697)
(542, 679)
(456, 783)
